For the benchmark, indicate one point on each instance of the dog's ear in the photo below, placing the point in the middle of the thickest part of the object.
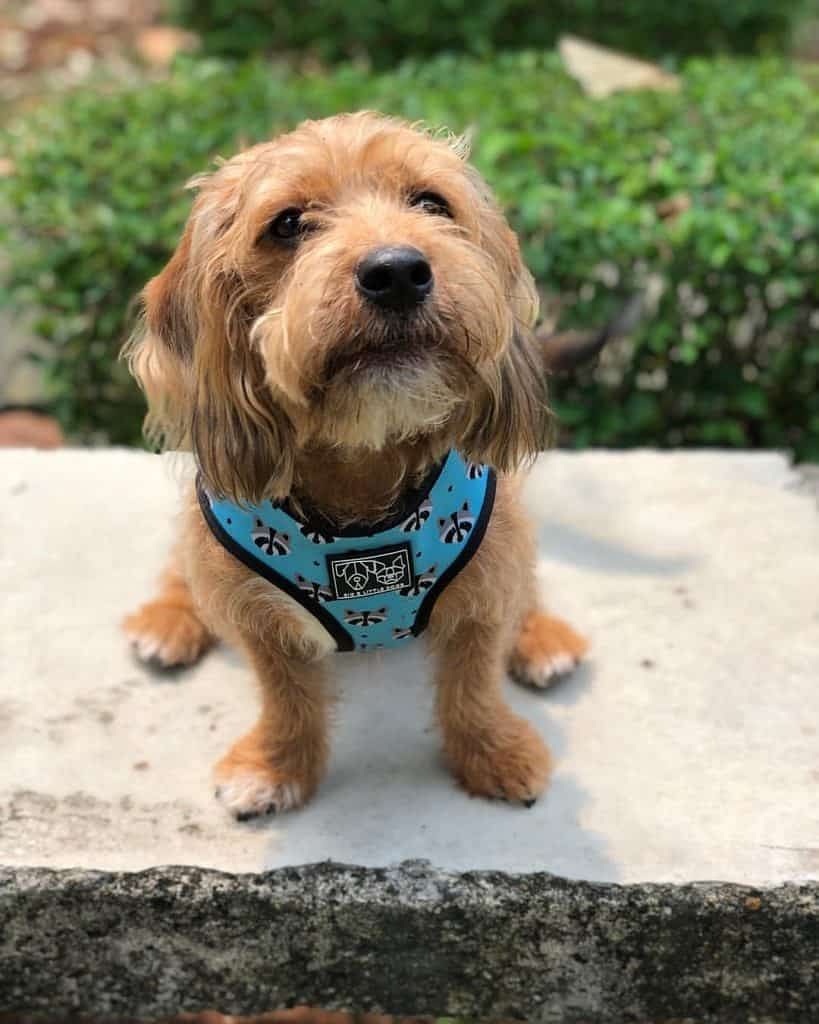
(166, 313)
(205, 381)
(159, 353)
(512, 421)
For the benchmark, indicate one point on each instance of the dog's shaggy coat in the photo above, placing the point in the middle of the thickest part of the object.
(262, 353)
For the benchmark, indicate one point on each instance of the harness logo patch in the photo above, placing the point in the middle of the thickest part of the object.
(366, 573)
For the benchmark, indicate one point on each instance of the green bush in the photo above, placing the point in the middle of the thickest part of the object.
(392, 30)
(710, 197)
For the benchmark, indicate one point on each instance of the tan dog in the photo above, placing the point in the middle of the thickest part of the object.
(346, 306)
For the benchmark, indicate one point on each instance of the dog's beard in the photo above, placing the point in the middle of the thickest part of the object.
(392, 380)
(383, 401)
(389, 383)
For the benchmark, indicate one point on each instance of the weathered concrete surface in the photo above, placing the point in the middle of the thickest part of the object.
(407, 940)
(686, 749)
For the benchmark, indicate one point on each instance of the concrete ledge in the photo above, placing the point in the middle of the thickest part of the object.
(407, 939)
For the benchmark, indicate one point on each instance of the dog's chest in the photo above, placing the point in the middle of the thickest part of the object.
(369, 589)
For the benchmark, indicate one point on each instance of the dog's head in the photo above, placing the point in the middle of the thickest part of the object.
(352, 283)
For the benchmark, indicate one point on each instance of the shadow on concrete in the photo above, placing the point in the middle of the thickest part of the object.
(568, 690)
(389, 797)
(560, 542)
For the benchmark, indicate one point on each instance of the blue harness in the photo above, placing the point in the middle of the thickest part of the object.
(371, 588)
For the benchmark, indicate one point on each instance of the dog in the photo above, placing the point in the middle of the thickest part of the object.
(344, 340)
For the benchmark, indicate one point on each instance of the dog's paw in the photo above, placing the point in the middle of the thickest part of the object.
(255, 794)
(166, 634)
(258, 776)
(546, 648)
(514, 764)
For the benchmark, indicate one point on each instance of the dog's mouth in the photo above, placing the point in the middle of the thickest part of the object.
(380, 355)
(381, 386)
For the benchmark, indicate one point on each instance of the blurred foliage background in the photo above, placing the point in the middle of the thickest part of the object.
(385, 33)
(707, 198)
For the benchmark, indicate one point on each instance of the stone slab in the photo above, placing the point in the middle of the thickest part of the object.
(411, 940)
(686, 748)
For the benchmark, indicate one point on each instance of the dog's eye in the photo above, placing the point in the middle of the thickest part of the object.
(287, 226)
(431, 202)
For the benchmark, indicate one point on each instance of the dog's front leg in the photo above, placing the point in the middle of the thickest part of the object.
(280, 762)
(491, 750)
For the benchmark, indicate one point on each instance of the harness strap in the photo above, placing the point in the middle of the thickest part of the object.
(368, 587)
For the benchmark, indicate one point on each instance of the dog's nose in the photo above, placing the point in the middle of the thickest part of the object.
(395, 277)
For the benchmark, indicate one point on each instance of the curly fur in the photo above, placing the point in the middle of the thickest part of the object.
(264, 360)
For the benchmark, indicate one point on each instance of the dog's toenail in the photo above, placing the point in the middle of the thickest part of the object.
(530, 803)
